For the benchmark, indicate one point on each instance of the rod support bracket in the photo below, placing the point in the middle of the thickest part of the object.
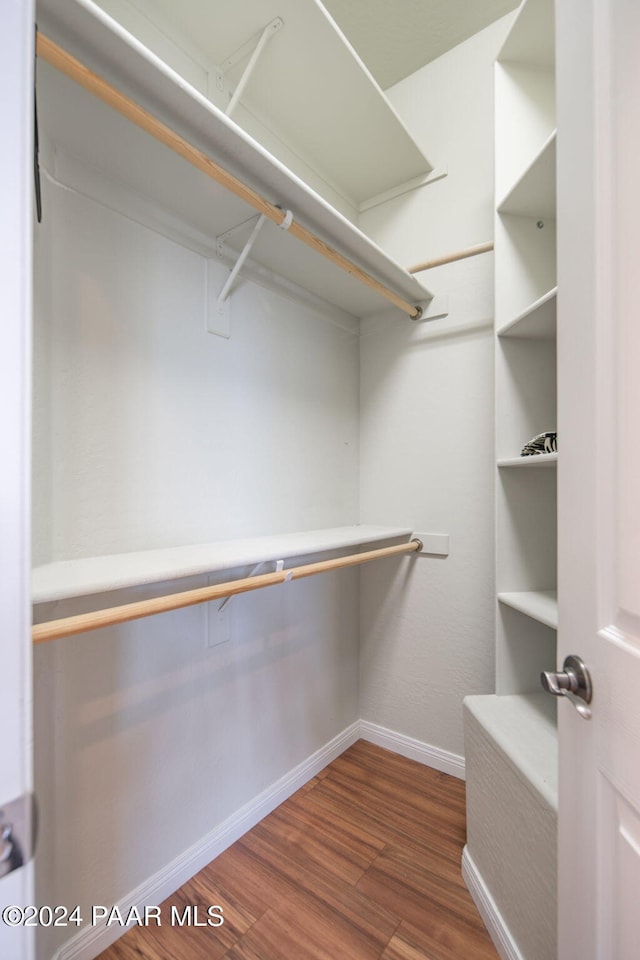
(432, 544)
(271, 28)
(226, 289)
(287, 221)
(435, 309)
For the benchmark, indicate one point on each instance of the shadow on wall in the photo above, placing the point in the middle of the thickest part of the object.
(146, 738)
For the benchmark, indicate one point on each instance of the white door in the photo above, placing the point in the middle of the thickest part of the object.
(598, 77)
(16, 185)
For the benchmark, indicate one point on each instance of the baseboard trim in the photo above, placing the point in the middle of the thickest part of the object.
(493, 919)
(88, 943)
(91, 941)
(413, 749)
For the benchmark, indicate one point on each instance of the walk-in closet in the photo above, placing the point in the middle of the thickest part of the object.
(320, 540)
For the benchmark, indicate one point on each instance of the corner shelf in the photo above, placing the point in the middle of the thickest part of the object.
(534, 193)
(74, 123)
(65, 579)
(536, 322)
(535, 461)
(540, 605)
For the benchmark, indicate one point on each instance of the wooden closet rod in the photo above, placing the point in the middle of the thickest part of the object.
(82, 623)
(48, 50)
(452, 257)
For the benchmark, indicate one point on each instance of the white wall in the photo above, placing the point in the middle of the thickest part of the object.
(151, 432)
(427, 435)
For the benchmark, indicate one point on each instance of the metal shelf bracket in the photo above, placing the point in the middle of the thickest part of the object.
(218, 320)
(269, 31)
(226, 289)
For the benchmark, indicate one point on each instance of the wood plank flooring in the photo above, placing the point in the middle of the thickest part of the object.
(362, 863)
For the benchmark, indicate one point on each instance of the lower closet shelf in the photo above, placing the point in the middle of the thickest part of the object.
(523, 728)
(65, 579)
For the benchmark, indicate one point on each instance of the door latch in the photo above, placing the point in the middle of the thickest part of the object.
(17, 833)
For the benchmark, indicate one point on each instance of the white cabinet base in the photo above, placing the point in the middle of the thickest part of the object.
(511, 837)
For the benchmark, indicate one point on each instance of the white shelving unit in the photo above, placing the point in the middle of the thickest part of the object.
(511, 738)
(534, 194)
(81, 135)
(525, 306)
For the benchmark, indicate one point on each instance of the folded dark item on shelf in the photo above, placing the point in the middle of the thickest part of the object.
(542, 443)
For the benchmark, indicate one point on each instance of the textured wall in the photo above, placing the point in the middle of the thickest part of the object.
(151, 432)
(427, 437)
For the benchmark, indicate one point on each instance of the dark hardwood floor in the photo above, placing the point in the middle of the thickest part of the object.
(362, 863)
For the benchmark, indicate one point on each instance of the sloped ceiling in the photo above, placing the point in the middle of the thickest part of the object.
(396, 37)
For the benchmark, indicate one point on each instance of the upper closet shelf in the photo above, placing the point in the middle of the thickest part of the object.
(534, 194)
(76, 123)
(309, 92)
(77, 578)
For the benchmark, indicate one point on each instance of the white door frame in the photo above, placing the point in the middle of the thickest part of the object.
(16, 187)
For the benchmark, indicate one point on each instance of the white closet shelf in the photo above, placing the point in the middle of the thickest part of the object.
(536, 322)
(524, 728)
(76, 578)
(537, 460)
(530, 40)
(75, 123)
(534, 193)
(309, 86)
(541, 605)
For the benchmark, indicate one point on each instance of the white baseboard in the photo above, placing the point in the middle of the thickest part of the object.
(91, 941)
(442, 760)
(493, 919)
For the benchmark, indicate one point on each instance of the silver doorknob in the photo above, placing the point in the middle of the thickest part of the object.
(573, 682)
(10, 856)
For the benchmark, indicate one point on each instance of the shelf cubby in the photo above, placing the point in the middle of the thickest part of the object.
(511, 742)
(541, 605)
(534, 193)
(535, 322)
